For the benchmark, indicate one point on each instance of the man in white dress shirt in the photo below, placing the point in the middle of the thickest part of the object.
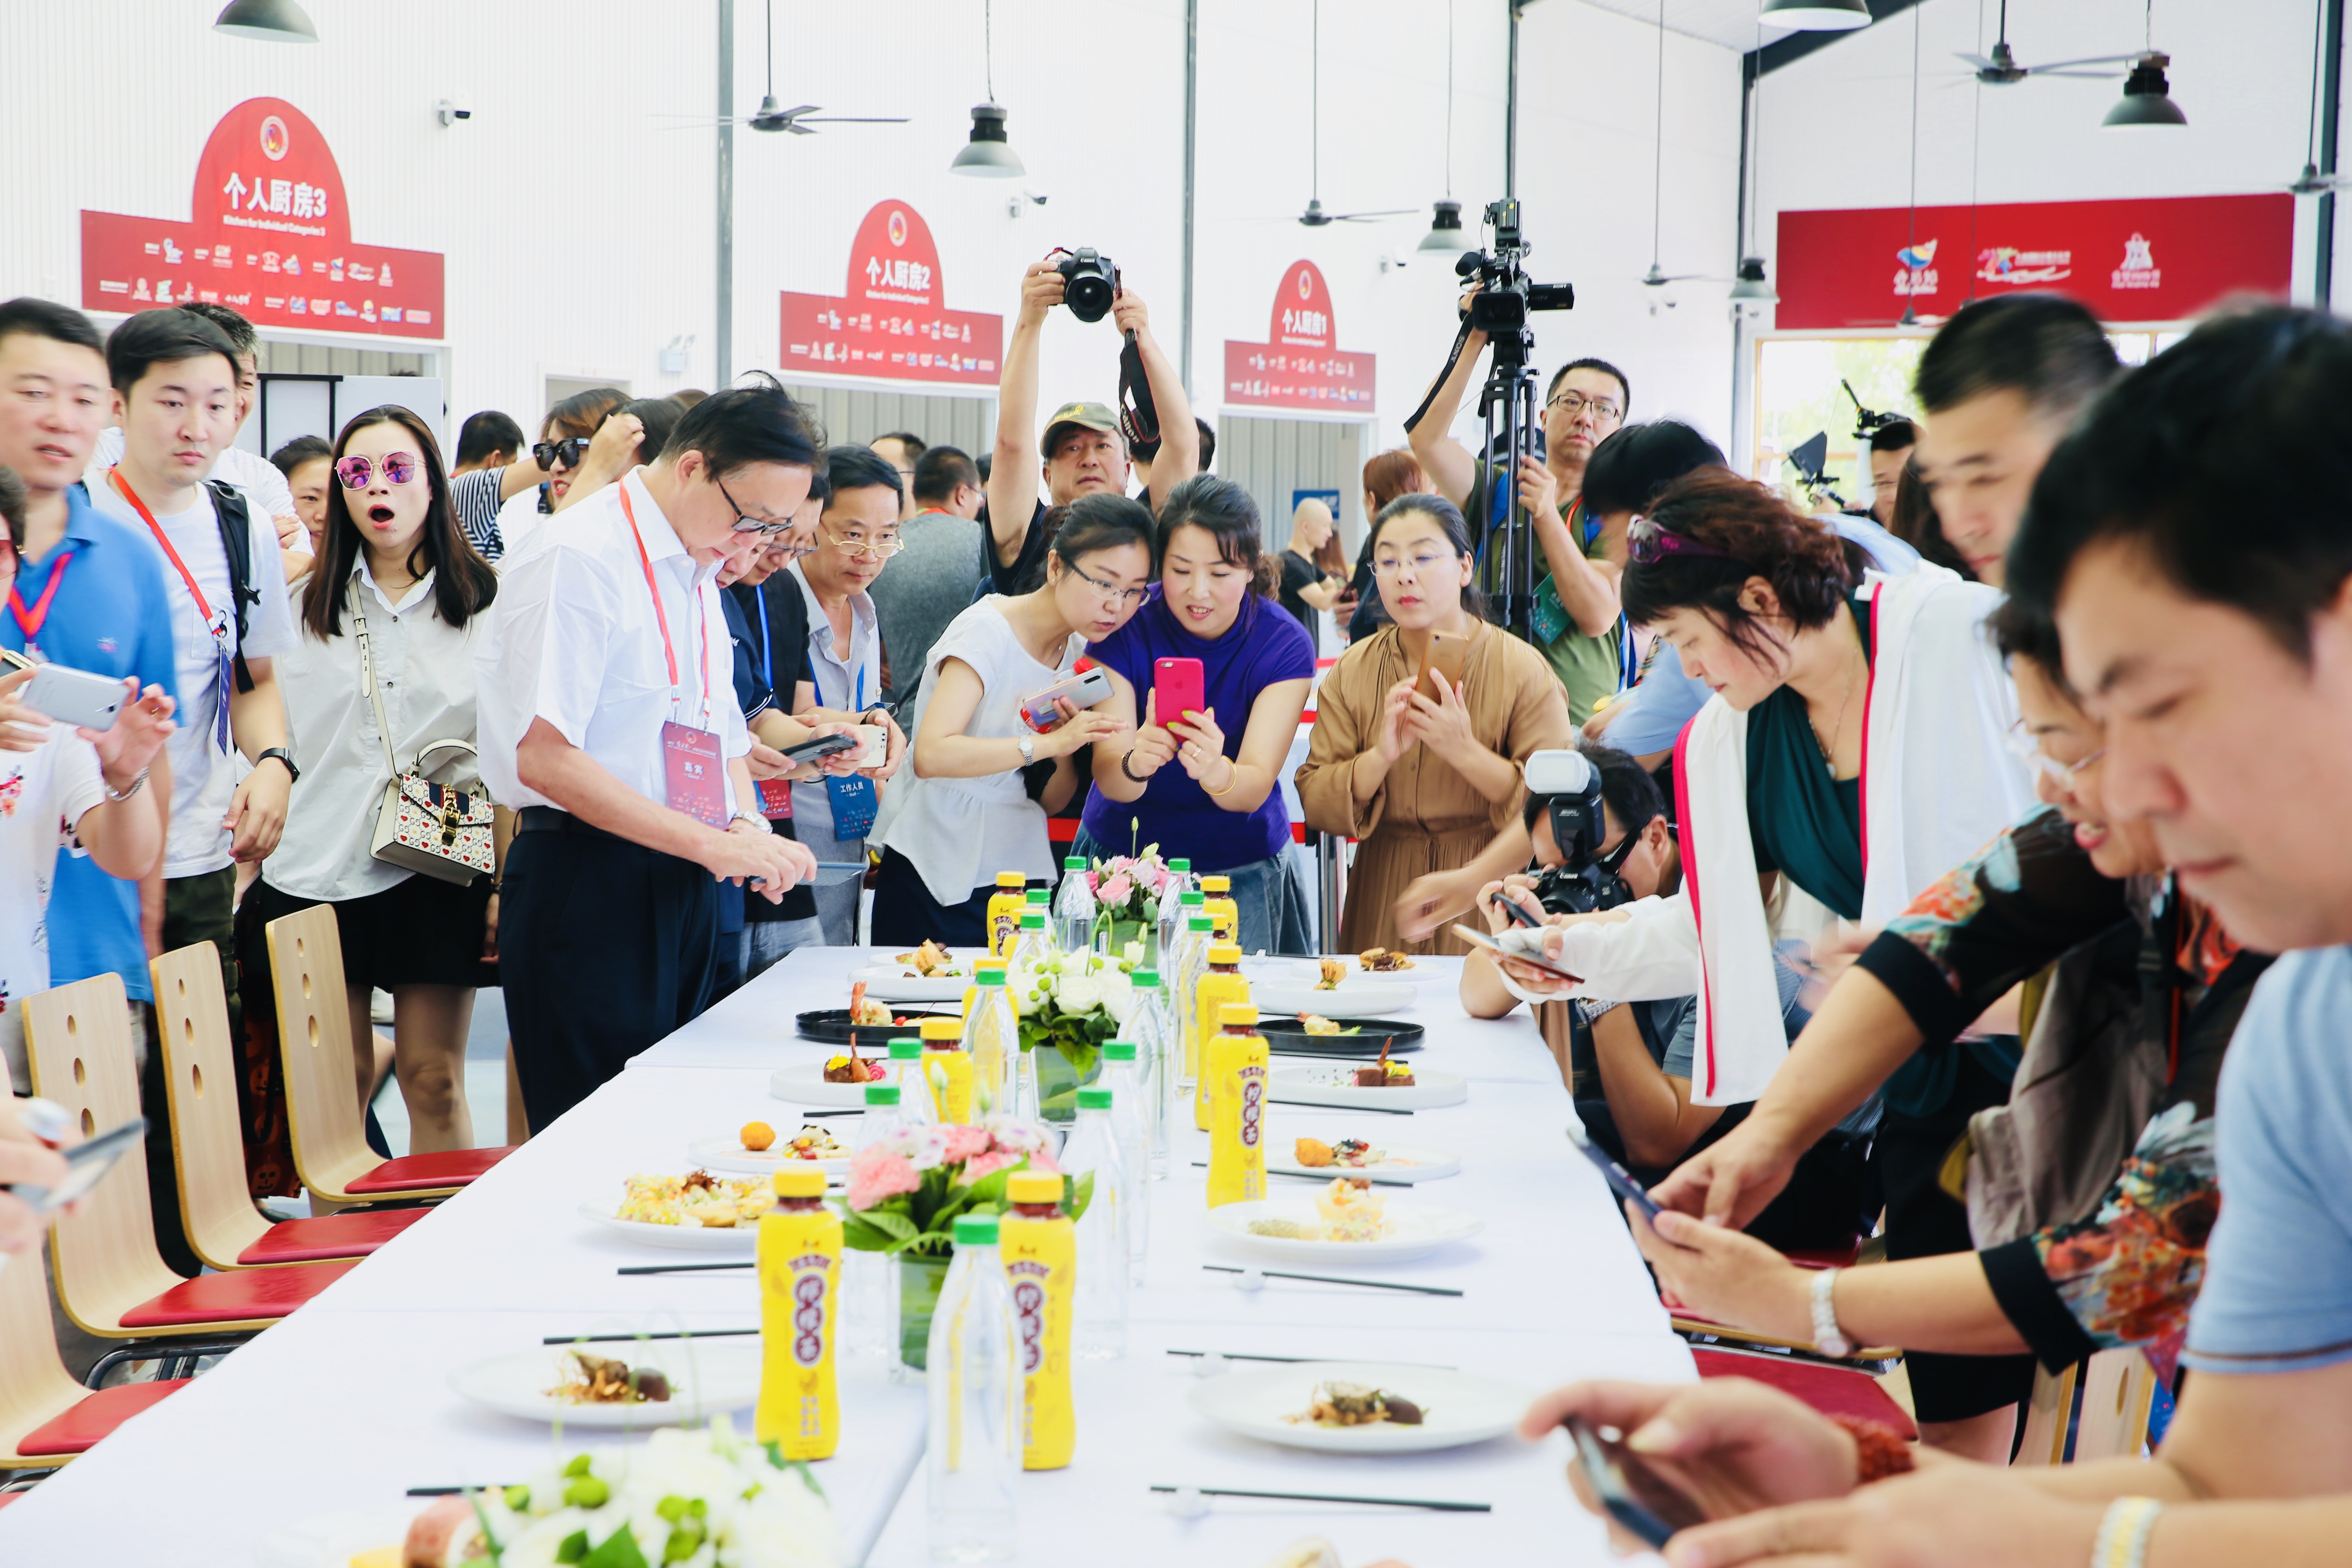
(608, 719)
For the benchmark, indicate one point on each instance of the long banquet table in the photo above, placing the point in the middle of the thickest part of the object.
(345, 1405)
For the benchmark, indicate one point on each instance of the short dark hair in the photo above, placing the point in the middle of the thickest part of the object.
(1208, 442)
(2046, 348)
(658, 417)
(47, 319)
(1100, 521)
(233, 327)
(300, 451)
(1448, 518)
(914, 446)
(1748, 531)
(464, 584)
(1623, 387)
(1230, 516)
(162, 337)
(12, 505)
(940, 472)
(2022, 631)
(485, 434)
(1915, 523)
(758, 422)
(850, 467)
(688, 396)
(1895, 436)
(2226, 459)
(1634, 462)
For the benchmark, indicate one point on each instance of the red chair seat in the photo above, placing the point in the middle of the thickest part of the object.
(1832, 1390)
(1827, 1257)
(237, 1296)
(333, 1235)
(7, 1498)
(420, 1173)
(79, 1429)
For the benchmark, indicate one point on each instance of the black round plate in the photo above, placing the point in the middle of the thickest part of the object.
(831, 1025)
(1288, 1037)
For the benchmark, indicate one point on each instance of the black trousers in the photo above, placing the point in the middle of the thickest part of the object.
(906, 915)
(605, 946)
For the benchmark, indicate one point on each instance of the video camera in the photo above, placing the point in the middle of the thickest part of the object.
(1507, 297)
(1585, 880)
(1089, 283)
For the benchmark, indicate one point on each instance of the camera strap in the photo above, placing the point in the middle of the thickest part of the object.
(1139, 419)
(1452, 358)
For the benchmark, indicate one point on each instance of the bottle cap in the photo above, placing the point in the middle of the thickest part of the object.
(947, 1029)
(906, 1050)
(1033, 921)
(990, 974)
(1191, 896)
(1011, 879)
(881, 1094)
(1218, 952)
(1179, 864)
(1033, 1187)
(808, 1184)
(1237, 1014)
(1216, 884)
(1145, 977)
(1039, 896)
(1093, 1100)
(1118, 1050)
(976, 1229)
(1203, 922)
(1074, 862)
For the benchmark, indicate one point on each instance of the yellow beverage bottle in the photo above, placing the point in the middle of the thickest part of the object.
(1217, 904)
(1040, 1246)
(1237, 1064)
(1222, 982)
(1005, 907)
(800, 1300)
(947, 1069)
(992, 1035)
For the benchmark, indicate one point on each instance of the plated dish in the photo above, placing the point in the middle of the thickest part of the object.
(649, 1383)
(807, 1083)
(1359, 1407)
(1376, 1227)
(833, 1026)
(697, 1210)
(1328, 973)
(1313, 1034)
(1361, 1157)
(759, 1148)
(1337, 1085)
(1352, 999)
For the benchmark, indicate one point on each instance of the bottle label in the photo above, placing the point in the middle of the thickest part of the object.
(1029, 1311)
(1253, 1084)
(809, 1280)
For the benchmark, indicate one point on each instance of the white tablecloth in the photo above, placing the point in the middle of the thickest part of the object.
(345, 1405)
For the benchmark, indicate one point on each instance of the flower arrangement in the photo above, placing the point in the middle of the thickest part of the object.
(905, 1190)
(1073, 1002)
(1128, 887)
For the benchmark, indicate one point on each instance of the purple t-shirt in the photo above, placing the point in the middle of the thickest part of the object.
(1265, 644)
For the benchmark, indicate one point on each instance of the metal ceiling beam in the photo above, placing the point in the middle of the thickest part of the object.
(1788, 51)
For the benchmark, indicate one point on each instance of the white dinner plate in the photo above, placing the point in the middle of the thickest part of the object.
(1415, 1231)
(705, 1375)
(894, 983)
(332, 1540)
(1422, 1163)
(725, 1152)
(1334, 1084)
(692, 1237)
(1309, 972)
(804, 1083)
(1350, 999)
(1457, 1407)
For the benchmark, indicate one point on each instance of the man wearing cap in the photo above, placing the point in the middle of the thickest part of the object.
(1084, 451)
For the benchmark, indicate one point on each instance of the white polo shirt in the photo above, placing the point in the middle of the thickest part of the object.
(573, 639)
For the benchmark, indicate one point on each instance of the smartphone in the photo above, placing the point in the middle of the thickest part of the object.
(1084, 690)
(1178, 688)
(1448, 652)
(1534, 958)
(822, 746)
(87, 1163)
(1620, 1181)
(1640, 1500)
(1512, 908)
(68, 695)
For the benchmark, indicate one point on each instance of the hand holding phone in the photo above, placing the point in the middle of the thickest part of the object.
(1620, 1181)
(1635, 1495)
(1517, 948)
(1449, 653)
(87, 1163)
(1178, 688)
(1041, 710)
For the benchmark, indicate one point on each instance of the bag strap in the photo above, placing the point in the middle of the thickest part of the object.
(234, 519)
(367, 680)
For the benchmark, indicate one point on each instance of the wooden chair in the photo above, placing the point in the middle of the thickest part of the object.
(2048, 1412)
(1832, 1390)
(200, 1075)
(314, 1033)
(2117, 1387)
(111, 1279)
(46, 1417)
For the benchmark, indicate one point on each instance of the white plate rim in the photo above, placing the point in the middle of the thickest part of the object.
(1433, 1090)
(1511, 1404)
(1356, 999)
(743, 1163)
(891, 983)
(1446, 1163)
(1396, 1249)
(679, 1410)
(331, 1540)
(683, 1238)
(803, 1083)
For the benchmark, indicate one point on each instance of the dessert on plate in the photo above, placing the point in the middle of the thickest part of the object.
(1348, 1153)
(1384, 1073)
(601, 1380)
(1382, 961)
(1357, 1404)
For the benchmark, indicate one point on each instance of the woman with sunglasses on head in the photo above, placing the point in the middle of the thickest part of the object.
(502, 509)
(390, 618)
(984, 777)
(1206, 785)
(1421, 769)
(630, 435)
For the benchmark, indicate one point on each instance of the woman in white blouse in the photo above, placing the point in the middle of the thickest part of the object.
(397, 582)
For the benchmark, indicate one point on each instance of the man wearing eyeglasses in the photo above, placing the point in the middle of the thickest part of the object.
(1579, 626)
(609, 721)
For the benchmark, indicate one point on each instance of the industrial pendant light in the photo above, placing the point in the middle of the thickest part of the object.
(988, 155)
(1444, 236)
(1751, 288)
(1817, 15)
(2148, 100)
(269, 21)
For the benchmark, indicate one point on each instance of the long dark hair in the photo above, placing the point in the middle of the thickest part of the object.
(1731, 530)
(1448, 518)
(463, 583)
(1224, 511)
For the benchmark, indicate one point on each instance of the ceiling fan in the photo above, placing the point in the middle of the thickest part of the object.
(2001, 69)
(1315, 217)
(771, 117)
(1657, 278)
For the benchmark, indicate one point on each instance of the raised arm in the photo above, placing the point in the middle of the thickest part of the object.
(1013, 475)
(1180, 438)
(1448, 464)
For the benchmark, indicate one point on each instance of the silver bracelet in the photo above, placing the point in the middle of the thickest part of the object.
(2124, 1529)
(136, 785)
(1828, 1337)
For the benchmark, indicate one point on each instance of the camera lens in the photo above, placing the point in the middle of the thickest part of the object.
(1089, 284)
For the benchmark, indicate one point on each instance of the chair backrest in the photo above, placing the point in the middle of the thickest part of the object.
(200, 1078)
(2118, 1386)
(2048, 1414)
(314, 1037)
(79, 1037)
(34, 1388)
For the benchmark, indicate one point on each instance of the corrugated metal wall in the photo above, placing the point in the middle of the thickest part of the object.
(318, 359)
(1272, 457)
(856, 413)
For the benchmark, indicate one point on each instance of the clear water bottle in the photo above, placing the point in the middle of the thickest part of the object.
(1170, 916)
(973, 1455)
(1130, 1128)
(1099, 1316)
(915, 1107)
(869, 1280)
(1034, 945)
(1152, 1024)
(1192, 962)
(1074, 907)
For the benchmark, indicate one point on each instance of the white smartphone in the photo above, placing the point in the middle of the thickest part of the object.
(73, 696)
(1084, 690)
(1532, 957)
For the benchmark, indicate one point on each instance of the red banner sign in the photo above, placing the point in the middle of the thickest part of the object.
(269, 235)
(891, 321)
(2160, 258)
(1299, 365)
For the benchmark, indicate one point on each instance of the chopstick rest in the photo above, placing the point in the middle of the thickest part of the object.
(1191, 1502)
(1255, 1279)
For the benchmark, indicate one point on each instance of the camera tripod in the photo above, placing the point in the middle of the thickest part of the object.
(1508, 405)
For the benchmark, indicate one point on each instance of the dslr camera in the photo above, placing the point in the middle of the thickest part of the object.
(1507, 297)
(1571, 786)
(1089, 283)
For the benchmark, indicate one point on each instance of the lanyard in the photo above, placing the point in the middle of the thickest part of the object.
(661, 615)
(759, 617)
(30, 622)
(216, 625)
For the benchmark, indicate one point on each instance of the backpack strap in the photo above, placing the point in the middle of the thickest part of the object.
(235, 521)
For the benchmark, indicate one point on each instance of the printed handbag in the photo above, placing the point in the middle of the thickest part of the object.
(441, 830)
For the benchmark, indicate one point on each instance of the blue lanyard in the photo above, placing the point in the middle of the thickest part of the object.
(759, 617)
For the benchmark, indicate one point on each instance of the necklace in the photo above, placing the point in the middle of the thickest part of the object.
(1828, 747)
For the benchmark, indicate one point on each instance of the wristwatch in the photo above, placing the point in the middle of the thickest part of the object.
(293, 773)
(761, 822)
(1028, 749)
(1828, 1337)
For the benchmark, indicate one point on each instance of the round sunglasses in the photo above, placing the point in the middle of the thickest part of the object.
(399, 468)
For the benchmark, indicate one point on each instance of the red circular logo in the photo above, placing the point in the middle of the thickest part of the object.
(275, 138)
(897, 226)
(1306, 284)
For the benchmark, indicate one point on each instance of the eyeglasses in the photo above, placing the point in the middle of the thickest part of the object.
(565, 454)
(744, 521)
(1390, 566)
(1576, 403)
(1646, 544)
(1125, 598)
(860, 548)
(356, 470)
(2026, 747)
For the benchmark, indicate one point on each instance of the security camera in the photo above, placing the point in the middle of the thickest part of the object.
(448, 111)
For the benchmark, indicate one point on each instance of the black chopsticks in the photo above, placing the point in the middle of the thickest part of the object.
(1335, 1280)
(1311, 1176)
(681, 1268)
(664, 1335)
(450, 1491)
(1441, 1506)
(1323, 1105)
(1302, 1360)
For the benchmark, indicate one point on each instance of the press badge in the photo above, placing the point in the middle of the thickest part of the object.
(696, 773)
(854, 801)
(776, 799)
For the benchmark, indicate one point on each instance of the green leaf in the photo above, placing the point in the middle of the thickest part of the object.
(1077, 1193)
(619, 1550)
(572, 1547)
(897, 1226)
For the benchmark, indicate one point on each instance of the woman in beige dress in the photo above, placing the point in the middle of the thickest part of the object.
(1421, 775)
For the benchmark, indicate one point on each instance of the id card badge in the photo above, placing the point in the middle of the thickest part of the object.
(223, 662)
(776, 799)
(696, 773)
(854, 800)
(1550, 616)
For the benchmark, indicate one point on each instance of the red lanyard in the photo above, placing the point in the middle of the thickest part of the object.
(661, 614)
(30, 622)
(218, 628)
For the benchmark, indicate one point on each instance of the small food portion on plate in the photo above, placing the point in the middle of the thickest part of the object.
(1381, 961)
(1384, 1074)
(1348, 1209)
(757, 1136)
(1336, 1404)
(932, 962)
(1316, 1023)
(867, 1014)
(601, 1380)
(855, 1068)
(1335, 972)
(697, 1198)
(1348, 1153)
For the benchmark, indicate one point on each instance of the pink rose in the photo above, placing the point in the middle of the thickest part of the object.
(988, 1164)
(877, 1174)
(961, 1143)
(1116, 891)
(1041, 1160)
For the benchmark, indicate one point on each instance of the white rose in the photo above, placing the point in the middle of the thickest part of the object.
(1027, 1000)
(1080, 993)
(1119, 996)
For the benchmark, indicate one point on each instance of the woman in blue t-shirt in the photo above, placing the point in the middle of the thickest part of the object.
(1208, 785)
